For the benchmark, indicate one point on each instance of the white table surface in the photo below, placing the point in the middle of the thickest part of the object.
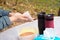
(12, 33)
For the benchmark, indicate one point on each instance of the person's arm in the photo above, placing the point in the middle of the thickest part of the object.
(4, 12)
(4, 22)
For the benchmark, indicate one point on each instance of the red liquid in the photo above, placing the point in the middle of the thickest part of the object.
(49, 24)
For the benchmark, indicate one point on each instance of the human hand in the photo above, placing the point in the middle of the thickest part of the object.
(19, 17)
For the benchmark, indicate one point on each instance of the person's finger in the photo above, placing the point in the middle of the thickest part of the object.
(24, 16)
(34, 18)
(25, 19)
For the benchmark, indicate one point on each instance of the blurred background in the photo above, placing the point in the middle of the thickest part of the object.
(33, 6)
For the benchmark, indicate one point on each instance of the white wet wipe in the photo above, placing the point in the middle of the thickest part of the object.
(49, 33)
(28, 15)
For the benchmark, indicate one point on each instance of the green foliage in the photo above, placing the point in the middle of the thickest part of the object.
(34, 6)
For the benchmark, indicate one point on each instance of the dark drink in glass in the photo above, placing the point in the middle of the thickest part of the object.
(41, 22)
